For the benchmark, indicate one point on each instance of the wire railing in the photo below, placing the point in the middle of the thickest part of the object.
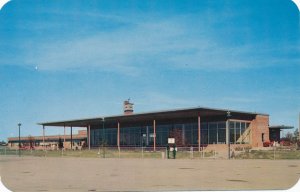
(162, 153)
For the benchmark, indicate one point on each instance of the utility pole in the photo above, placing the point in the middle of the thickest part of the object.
(228, 132)
(103, 137)
(19, 125)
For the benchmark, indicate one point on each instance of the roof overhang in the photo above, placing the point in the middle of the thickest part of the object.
(281, 127)
(157, 115)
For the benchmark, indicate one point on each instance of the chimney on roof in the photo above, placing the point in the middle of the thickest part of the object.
(128, 107)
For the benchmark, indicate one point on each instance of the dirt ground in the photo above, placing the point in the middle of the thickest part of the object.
(93, 174)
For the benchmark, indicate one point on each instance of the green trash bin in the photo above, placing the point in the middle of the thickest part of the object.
(168, 151)
(174, 151)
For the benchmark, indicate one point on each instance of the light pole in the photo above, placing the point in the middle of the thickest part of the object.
(228, 132)
(19, 125)
(103, 137)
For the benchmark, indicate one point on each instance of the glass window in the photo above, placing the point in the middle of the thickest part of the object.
(243, 127)
(194, 134)
(221, 132)
(232, 132)
(204, 133)
(237, 132)
(162, 133)
(191, 134)
(212, 133)
(184, 134)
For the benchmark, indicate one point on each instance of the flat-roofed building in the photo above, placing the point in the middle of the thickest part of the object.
(195, 127)
(49, 142)
(275, 132)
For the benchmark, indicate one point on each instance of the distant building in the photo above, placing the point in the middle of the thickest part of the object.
(275, 132)
(2, 143)
(50, 142)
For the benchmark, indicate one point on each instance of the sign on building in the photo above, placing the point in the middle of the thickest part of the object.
(171, 140)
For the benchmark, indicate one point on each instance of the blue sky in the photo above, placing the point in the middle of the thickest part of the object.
(76, 59)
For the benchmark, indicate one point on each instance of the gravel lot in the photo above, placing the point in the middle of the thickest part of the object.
(95, 174)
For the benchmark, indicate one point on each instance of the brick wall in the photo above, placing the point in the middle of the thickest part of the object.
(259, 129)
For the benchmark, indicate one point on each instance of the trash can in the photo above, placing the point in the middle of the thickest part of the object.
(174, 151)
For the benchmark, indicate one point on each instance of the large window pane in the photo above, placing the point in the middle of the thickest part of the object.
(221, 132)
(232, 131)
(237, 132)
(212, 130)
(204, 133)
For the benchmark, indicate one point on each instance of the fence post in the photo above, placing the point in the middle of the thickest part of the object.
(192, 152)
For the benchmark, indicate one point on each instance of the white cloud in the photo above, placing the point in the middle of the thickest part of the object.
(169, 43)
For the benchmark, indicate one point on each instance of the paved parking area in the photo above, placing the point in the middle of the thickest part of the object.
(95, 174)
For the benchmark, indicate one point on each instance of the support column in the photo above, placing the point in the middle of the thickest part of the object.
(89, 136)
(64, 133)
(228, 132)
(118, 136)
(228, 137)
(199, 133)
(71, 138)
(154, 136)
(183, 135)
(147, 135)
(44, 137)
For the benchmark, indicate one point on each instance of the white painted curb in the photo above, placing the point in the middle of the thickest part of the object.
(2, 187)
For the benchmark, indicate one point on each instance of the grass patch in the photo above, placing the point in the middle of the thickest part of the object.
(109, 153)
(138, 153)
(263, 154)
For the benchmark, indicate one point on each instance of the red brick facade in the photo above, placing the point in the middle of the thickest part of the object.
(260, 130)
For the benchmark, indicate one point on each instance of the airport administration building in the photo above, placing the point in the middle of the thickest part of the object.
(197, 127)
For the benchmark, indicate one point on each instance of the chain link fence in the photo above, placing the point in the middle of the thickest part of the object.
(291, 152)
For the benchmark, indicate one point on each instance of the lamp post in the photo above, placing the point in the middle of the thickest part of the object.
(19, 125)
(228, 132)
(103, 137)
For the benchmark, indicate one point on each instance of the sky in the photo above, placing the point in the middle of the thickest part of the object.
(62, 60)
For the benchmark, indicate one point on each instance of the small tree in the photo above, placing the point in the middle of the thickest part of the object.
(287, 139)
(31, 141)
(289, 136)
(60, 143)
(296, 135)
(297, 138)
